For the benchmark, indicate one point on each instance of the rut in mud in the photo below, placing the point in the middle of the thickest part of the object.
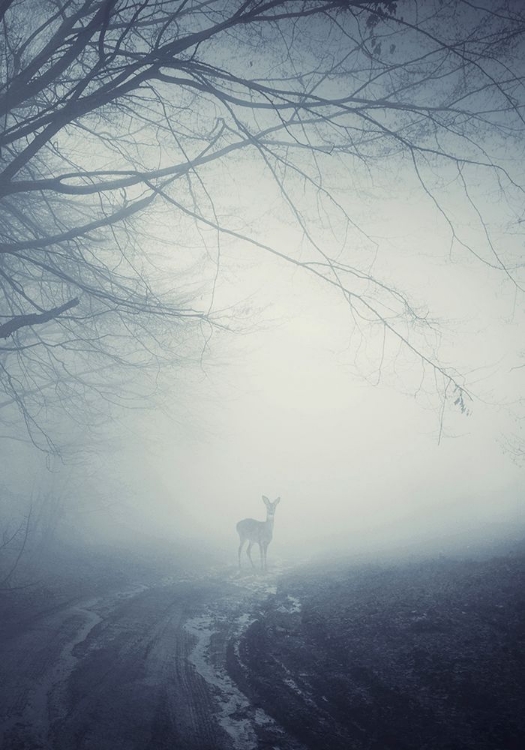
(141, 668)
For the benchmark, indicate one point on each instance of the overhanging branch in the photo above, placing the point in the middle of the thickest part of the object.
(22, 321)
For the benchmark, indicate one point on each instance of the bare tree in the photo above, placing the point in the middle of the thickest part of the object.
(29, 531)
(126, 123)
(13, 546)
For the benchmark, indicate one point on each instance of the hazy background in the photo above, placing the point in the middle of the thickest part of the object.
(304, 401)
(300, 406)
(307, 406)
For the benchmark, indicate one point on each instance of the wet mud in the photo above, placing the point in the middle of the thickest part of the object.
(396, 657)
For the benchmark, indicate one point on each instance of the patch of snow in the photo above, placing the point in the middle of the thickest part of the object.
(242, 624)
(295, 604)
(292, 684)
(291, 606)
(235, 714)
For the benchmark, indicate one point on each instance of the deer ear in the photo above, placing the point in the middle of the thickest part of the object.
(265, 499)
(276, 502)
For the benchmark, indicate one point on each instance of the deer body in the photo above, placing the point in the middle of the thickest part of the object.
(257, 532)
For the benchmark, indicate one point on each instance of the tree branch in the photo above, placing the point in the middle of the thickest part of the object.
(22, 321)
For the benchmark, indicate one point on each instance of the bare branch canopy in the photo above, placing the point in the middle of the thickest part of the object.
(126, 125)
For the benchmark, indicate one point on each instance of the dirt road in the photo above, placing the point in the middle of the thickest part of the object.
(426, 655)
(140, 668)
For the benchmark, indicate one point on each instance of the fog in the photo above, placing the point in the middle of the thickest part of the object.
(306, 400)
(366, 464)
(308, 407)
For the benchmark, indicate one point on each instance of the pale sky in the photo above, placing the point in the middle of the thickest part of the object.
(305, 404)
(290, 415)
(293, 409)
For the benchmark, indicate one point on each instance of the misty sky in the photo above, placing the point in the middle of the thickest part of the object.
(295, 410)
(303, 405)
(307, 402)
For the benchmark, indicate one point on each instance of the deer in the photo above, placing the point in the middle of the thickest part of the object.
(258, 532)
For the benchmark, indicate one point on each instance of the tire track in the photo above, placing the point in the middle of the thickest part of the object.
(142, 668)
(36, 699)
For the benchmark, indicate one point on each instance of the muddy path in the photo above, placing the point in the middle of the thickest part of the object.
(369, 657)
(144, 667)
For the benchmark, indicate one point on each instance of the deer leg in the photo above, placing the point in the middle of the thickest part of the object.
(249, 552)
(263, 557)
(241, 545)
